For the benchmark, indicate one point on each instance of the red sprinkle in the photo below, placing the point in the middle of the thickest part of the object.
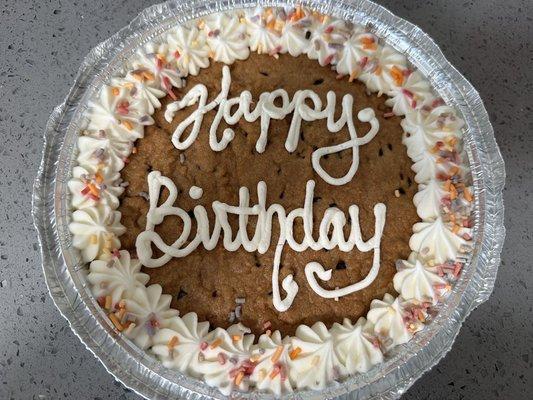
(203, 346)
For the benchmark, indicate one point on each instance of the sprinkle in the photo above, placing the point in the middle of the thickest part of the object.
(108, 302)
(397, 75)
(328, 59)
(368, 43)
(240, 300)
(116, 322)
(277, 354)
(267, 325)
(233, 360)
(216, 343)
(235, 338)
(275, 371)
(94, 239)
(203, 346)
(397, 193)
(239, 377)
(468, 195)
(168, 87)
(353, 76)
(221, 357)
(173, 341)
(127, 124)
(231, 317)
(115, 91)
(116, 253)
(182, 158)
(388, 115)
(295, 353)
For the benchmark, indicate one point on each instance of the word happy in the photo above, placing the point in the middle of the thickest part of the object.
(331, 234)
(266, 110)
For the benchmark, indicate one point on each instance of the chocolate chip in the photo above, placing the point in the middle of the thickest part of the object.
(389, 146)
(401, 176)
(316, 198)
(401, 190)
(409, 181)
(333, 204)
(214, 294)
(318, 81)
(282, 195)
(307, 35)
(341, 265)
(182, 293)
(263, 73)
(380, 153)
(302, 137)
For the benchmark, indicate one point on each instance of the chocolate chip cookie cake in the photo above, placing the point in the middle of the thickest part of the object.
(270, 199)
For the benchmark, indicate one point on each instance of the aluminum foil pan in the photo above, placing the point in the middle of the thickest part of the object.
(65, 273)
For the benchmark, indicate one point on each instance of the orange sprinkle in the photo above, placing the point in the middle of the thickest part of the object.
(454, 170)
(216, 343)
(238, 378)
(271, 25)
(368, 43)
(468, 195)
(128, 125)
(115, 91)
(456, 229)
(397, 75)
(236, 338)
(116, 322)
(172, 342)
(161, 57)
(295, 353)
(453, 192)
(275, 372)
(120, 313)
(98, 177)
(122, 304)
(108, 302)
(447, 185)
(94, 239)
(93, 189)
(452, 141)
(277, 354)
(378, 70)
(147, 75)
(353, 76)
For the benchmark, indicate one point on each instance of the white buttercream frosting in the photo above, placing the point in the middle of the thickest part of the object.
(89, 189)
(318, 362)
(95, 231)
(188, 47)
(435, 240)
(149, 310)
(416, 281)
(428, 199)
(387, 316)
(117, 277)
(356, 345)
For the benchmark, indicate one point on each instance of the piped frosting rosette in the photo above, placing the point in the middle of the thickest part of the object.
(315, 356)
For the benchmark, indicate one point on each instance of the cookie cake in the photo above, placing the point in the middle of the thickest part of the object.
(270, 199)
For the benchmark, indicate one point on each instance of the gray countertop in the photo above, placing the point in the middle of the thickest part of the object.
(41, 46)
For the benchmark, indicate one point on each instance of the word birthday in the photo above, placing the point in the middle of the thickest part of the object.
(331, 234)
(266, 109)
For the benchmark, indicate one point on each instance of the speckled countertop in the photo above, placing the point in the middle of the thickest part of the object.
(41, 46)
